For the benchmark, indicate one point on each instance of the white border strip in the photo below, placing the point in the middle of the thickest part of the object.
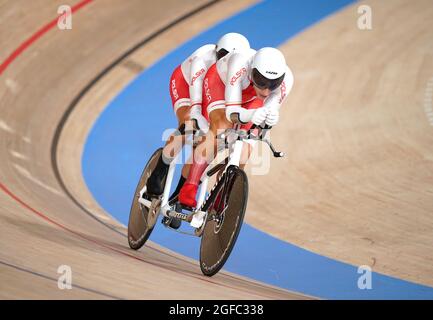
(220, 104)
(181, 103)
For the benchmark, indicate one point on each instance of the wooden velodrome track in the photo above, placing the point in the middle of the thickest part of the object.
(357, 182)
(41, 227)
(357, 178)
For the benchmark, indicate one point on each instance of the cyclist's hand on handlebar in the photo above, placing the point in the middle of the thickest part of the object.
(259, 116)
(200, 121)
(272, 117)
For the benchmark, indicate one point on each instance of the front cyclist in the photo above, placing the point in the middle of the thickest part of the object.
(186, 95)
(247, 88)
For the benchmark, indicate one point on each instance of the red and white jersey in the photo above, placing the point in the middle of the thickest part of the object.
(194, 69)
(235, 71)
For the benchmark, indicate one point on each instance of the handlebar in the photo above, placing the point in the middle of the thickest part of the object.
(242, 135)
(262, 131)
(266, 127)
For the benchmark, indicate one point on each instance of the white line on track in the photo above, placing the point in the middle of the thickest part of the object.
(100, 216)
(29, 176)
(4, 126)
(18, 155)
(12, 85)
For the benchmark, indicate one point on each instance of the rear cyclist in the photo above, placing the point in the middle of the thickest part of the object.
(186, 95)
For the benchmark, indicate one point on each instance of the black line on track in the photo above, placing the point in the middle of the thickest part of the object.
(54, 279)
(64, 119)
(86, 89)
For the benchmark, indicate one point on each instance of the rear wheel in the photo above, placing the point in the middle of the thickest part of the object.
(222, 228)
(138, 228)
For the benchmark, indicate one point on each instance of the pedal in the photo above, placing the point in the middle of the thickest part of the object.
(166, 221)
(173, 219)
(171, 223)
(178, 214)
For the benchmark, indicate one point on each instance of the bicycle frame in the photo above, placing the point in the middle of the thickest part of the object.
(197, 218)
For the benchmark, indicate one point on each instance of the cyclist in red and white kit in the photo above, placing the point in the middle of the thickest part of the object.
(186, 95)
(243, 87)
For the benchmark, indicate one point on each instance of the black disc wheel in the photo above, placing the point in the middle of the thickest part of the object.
(139, 228)
(223, 227)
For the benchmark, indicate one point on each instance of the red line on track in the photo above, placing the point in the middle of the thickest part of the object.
(26, 44)
(46, 218)
(43, 216)
(5, 64)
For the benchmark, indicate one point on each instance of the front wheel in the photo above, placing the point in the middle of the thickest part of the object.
(220, 233)
(138, 228)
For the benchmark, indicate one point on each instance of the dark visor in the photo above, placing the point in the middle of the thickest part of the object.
(262, 82)
(221, 53)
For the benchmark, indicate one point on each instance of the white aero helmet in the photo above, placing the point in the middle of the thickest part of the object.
(268, 68)
(231, 42)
